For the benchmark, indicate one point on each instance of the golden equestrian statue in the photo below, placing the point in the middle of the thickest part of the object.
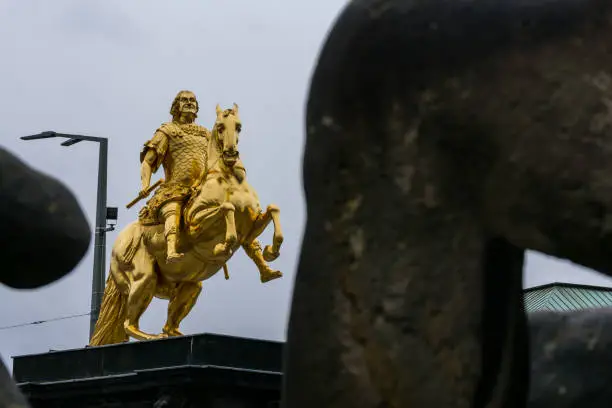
(202, 212)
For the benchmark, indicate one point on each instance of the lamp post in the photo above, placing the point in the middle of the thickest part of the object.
(102, 215)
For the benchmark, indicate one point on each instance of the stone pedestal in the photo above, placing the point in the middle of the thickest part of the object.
(191, 371)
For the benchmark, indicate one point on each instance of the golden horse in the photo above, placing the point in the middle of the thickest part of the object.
(223, 215)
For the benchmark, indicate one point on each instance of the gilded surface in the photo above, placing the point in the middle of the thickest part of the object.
(181, 148)
(149, 214)
(189, 229)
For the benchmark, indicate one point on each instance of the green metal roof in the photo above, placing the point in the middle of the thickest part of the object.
(566, 296)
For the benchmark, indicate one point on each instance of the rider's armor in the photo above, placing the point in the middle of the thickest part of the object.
(182, 150)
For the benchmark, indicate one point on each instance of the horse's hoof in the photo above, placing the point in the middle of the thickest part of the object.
(173, 333)
(269, 255)
(267, 277)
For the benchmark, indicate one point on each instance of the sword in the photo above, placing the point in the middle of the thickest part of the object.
(144, 193)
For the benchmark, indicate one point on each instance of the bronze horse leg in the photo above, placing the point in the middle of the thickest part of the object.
(253, 251)
(181, 302)
(142, 290)
(224, 248)
(271, 252)
(252, 246)
(272, 214)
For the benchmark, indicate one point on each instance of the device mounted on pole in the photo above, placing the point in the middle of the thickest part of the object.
(101, 228)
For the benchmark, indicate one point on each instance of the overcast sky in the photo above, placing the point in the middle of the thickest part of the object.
(111, 68)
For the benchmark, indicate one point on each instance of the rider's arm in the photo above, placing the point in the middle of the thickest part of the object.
(152, 156)
(146, 169)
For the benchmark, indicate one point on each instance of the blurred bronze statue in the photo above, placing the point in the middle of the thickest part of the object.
(46, 234)
(444, 140)
(202, 212)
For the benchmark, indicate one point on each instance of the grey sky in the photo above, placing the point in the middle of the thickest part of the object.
(111, 68)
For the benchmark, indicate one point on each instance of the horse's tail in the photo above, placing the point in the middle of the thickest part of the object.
(113, 311)
(109, 327)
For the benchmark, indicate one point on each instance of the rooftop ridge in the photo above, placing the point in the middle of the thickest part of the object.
(567, 284)
(566, 297)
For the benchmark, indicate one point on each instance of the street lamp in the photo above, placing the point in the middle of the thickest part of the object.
(102, 215)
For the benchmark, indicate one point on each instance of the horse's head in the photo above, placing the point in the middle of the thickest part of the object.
(226, 133)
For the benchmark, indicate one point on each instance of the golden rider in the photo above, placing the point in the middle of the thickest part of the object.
(181, 147)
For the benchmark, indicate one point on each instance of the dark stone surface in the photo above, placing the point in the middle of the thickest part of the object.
(190, 371)
(44, 230)
(44, 235)
(444, 138)
(571, 359)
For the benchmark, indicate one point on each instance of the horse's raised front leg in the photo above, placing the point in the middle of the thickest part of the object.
(141, 293)
(271, 252)
(253, 250)
(181, 303)
(227, 209)
(260, 223)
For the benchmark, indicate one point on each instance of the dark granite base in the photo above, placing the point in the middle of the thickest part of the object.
(202, 370)
(570, 353)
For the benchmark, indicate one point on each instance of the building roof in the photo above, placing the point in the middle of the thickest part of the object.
(566, 296)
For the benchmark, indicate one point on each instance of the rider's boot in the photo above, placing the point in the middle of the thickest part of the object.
(172, 254)
(170, 213)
